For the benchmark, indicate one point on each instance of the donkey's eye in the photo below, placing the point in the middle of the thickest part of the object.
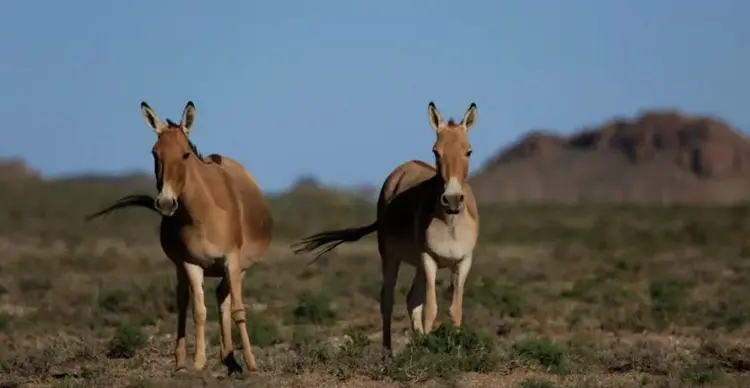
(468, 153)
(435, 152)
(185, 155)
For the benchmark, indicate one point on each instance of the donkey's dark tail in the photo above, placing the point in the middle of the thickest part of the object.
(136, 200)
(324, 242)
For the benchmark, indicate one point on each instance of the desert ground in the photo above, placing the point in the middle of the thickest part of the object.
(559, 296)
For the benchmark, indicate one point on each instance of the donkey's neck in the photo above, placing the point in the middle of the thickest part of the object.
(450, 220)
(197, 199)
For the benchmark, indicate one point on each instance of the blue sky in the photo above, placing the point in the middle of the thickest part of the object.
(339, 88)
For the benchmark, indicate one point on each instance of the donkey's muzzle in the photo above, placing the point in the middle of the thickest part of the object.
(452, 203)
(166, 206)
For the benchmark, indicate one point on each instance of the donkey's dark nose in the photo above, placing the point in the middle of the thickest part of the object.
(165, 206)
(452, 203)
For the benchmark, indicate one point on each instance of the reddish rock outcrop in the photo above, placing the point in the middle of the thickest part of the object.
(660, 156)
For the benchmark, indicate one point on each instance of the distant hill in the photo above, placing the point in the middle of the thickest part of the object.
(660, 156)
(16, 169)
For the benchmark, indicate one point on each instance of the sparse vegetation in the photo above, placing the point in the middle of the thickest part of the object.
(262, 333)
(542, 351)
(534, 383)
(495, 295)
(126, 342)
(313, 309)
(6, 320)
(559, 296)
(444, 353)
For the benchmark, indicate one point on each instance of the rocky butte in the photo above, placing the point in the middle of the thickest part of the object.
(658, 157)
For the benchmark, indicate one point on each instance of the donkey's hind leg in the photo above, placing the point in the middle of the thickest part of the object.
(225, 319)
(390, 267)
(234, 274)
(182, 296)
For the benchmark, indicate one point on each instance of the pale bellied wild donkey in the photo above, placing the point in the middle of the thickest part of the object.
(215, 222)
(426, 217)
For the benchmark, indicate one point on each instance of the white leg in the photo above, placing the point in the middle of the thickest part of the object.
(458, 280)
(195, 276)
(415, 301)
(429, 266)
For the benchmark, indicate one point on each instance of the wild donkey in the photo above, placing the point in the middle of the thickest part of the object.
(215, 222)
(426, 217)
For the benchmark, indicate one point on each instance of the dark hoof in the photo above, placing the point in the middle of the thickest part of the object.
(233, 367)
(235, 373)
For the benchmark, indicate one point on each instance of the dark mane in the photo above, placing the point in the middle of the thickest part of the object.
(190, 143)
(195, 150)
(452, 122)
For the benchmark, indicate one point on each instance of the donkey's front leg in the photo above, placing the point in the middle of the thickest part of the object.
(195, 276)
(458, 280)
(429, 267)
(182, 295)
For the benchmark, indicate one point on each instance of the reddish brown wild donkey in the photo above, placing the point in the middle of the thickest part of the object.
(215, 222)
(427, 217)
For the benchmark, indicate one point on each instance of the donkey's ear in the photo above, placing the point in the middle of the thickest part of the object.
(188, 117)
(152, 119)
(470, 117)
(434, 116)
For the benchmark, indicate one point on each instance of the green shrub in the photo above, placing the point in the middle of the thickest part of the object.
(126, 342)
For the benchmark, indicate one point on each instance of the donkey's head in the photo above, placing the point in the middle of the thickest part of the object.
(172, 151)
(452, 151)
